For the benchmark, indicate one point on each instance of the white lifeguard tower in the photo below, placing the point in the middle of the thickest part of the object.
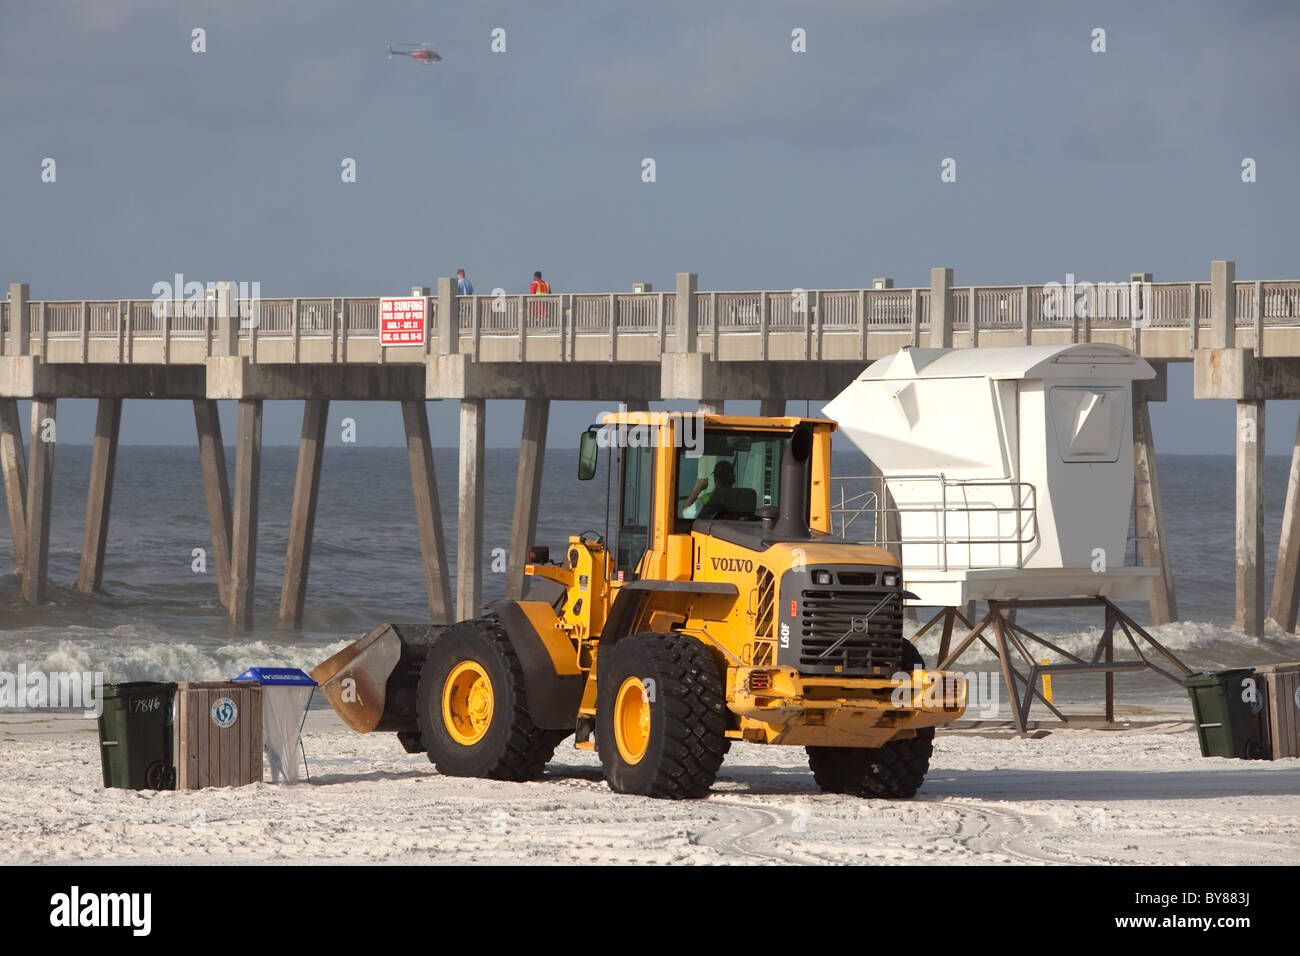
(1010, 472)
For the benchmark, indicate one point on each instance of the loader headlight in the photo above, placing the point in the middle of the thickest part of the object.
(889, 579)
(821, 576)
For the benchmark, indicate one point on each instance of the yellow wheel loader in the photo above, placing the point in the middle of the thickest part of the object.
(718, 608)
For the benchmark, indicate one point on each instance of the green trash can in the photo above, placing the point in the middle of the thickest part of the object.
(135, 736)
(1228, 706)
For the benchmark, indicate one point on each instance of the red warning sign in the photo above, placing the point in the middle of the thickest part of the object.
(402, 320)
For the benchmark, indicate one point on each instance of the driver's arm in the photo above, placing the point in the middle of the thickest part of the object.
(696, 491)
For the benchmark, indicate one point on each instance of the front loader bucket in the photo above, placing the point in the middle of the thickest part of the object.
(371, 684)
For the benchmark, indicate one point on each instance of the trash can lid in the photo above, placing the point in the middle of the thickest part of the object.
(1213, 678)
(138, 687)
(283, 676)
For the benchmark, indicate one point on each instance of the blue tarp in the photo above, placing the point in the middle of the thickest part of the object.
(281, 676)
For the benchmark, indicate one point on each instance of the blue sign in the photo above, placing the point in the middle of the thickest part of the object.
(224, 713)
(283, 676)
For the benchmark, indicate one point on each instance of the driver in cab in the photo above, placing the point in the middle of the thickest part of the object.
(724, 498)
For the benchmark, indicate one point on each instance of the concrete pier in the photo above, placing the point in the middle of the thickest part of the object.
(681, 344)
(1227, 370)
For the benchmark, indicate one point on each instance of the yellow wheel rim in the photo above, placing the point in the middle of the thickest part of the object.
(467, 703)
(632, 720)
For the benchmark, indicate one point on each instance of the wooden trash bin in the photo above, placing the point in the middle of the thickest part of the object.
(1281, 694)
(217, 734)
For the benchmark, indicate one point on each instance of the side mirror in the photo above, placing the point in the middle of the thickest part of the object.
(587, 452)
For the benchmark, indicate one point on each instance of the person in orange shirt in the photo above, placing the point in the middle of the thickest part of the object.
(540, 310)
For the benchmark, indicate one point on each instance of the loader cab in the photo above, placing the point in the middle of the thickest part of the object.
(670, 474)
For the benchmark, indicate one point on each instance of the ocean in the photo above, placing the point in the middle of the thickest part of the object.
(159, 618)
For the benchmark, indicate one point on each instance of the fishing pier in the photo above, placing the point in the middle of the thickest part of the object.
(637, 347)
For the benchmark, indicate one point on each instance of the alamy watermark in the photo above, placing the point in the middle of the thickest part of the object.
(934, 690)
(180, 299)
(1077, 298)
(75, 908)
(52, 690)
(636, 431)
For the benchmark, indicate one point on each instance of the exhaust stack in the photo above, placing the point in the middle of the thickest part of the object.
(792, 518)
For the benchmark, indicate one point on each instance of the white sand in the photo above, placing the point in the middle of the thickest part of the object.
(1076, 796)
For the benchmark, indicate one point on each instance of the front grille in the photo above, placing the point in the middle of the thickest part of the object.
(826, 614)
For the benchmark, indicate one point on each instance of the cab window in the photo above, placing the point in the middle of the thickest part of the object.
(634, 521)
(730, 475)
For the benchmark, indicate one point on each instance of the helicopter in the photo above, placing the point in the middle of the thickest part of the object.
(416, 51)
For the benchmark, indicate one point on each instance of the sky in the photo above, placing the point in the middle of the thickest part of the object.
(773, 168)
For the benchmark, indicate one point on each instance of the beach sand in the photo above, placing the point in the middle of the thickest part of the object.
(1138, 796)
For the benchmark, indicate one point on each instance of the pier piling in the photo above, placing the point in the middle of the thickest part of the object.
(99, 494)
(302, 518)
(469, 520)
(1250, 518)
(428, 511)
(528, 491)
(1152, 543)
(243, 538)
(40, 485)
(216, 492)
(1286, 596)
(13, 462)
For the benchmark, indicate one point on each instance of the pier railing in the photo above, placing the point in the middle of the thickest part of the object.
(651, 316)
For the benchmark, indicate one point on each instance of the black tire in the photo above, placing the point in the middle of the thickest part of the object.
(892, 772)
(687, 727)
(160, 775)
(512, 747)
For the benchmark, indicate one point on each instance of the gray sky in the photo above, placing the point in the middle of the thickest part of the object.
(774, 169)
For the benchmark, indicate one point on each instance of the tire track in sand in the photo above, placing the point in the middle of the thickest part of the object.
(741, 827)
(986, 829)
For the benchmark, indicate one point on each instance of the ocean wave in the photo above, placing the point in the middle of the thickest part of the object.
(139, 658)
